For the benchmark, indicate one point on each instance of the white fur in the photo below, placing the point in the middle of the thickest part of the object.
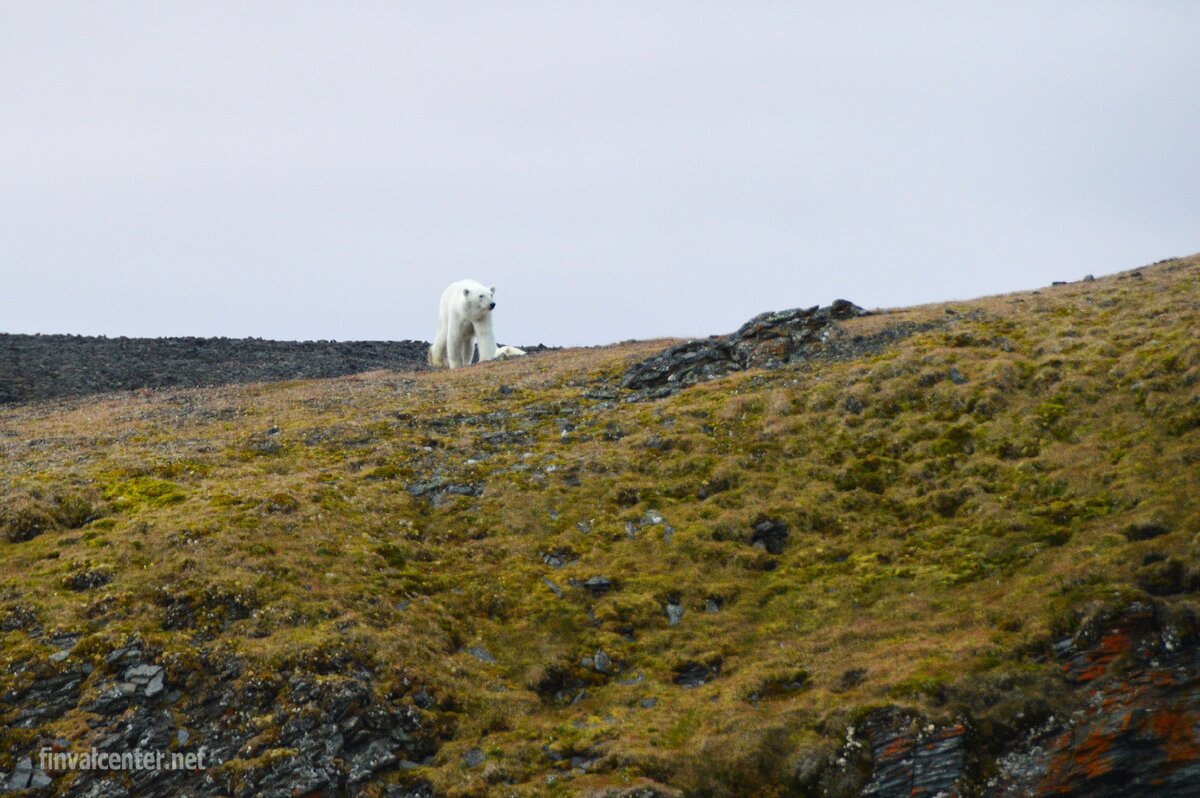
(506, 352)
(464, 319)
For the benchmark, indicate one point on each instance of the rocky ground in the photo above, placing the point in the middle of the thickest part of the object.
(39, 367)
(938, 551)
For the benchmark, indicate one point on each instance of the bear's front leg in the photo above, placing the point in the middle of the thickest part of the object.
(487, 341)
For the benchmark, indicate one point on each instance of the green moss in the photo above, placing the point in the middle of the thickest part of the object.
(130, 495)
(383, 472)
(958, 439)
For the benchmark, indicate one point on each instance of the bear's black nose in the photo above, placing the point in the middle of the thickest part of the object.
(492, 306)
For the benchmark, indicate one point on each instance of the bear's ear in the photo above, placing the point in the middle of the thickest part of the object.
(493, 289)
(466, 292)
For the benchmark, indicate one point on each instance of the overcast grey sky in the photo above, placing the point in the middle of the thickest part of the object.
(617, 170)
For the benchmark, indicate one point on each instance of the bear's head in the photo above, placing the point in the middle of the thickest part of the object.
(480, 300)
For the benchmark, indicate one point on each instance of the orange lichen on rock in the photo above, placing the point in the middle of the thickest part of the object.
(1091, 755)
(1178, 731)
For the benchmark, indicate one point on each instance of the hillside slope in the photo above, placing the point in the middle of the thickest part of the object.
(948, 548)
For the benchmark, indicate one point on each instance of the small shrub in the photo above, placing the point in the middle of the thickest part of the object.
(24, 519)
(73, 510)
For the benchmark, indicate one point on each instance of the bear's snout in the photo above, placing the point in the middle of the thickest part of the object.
(492, 306)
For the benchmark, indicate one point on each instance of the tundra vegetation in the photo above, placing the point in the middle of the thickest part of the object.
(572, 592)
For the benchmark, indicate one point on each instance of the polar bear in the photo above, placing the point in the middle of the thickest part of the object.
(505, 352)
(464, 318)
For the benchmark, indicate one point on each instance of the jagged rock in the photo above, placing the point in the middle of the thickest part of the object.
(46, 699)
(474, 757)
(104, 788)
(22, 773)
(582, 762)
(769, 535)
(769, 340)
(127, 655)
(335, 729)
(149, 678)
(439, 487)
(506, 438)
(113, 699)
(929, 762)
(18, 617)
(596, 585)
(674, 613)
(376, 756)
(480, 653)
(603, 663)
(88, 580)
(695, 674)
(1140, 680)
(559, 557)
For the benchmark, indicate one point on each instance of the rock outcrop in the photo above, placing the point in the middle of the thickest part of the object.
(298, 732)
(1137, 731)
(1134, 679)
(769, 340)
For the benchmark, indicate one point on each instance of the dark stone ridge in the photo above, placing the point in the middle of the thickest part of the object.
(769, 340)
(39, 367)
